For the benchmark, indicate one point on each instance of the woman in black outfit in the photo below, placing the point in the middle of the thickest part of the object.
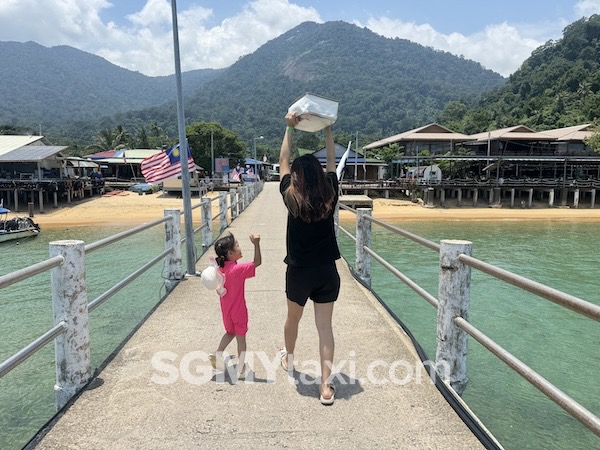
(310, 196)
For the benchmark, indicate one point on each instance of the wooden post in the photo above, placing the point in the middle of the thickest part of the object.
(363, 239)
(207, 220)
(454, 297)
(459, 198)
(233, 203)
(173, 240)
(593, 199)
(16, 197)
(443, 197)
(551, 198)
(475, 197)
(223, 210)
(55, 195)
(69, 301)
(576, 199)
(512, 197)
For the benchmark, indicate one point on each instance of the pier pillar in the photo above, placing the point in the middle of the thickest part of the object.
(55, 195)
(41, 201)
(206, 222)
(233, 202)
(223, 210)
(593, 198)
(443, 197)
(16, 198)
(512, 198)
(530, 200)
(551, 198)
(497, 196)
(430, 195)
(459, 198)
(454, 296)
(30, 209)
(576, 199)
(69, 302)
(564, 193)
(475, 196)
(363, 239)
(174, 265)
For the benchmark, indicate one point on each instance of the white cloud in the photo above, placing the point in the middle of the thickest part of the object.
(146, 43)
(587, 8)
(501, 47)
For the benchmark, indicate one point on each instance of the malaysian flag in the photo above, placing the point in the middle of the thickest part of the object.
(164, 165)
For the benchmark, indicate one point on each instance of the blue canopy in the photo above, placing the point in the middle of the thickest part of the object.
(4, 211)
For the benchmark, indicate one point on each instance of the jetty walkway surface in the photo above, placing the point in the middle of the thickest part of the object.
(160, 391)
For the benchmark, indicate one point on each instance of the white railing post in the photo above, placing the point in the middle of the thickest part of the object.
(246, 196)
(223, 210)
(206, 220)
(363, 239)
(233, 203)
(173, 241)
(454, 296)
(69, 301)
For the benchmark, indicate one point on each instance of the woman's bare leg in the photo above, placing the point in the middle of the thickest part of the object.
(323, 315)
(290, 330)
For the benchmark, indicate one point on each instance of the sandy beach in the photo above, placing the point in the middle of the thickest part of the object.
(132, 209)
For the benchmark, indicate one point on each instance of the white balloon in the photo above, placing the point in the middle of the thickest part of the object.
(210, 278)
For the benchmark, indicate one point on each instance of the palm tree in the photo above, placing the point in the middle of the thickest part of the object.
(111, 140)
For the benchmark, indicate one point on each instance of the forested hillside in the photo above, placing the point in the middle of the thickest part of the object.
(52, 86)
(558, 86)
(383, 85)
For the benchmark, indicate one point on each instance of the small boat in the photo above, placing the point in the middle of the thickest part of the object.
(17, 227)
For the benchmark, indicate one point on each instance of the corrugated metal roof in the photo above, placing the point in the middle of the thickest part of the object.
(428, 133)
(9, 143)
(574, 133)
(31, 153)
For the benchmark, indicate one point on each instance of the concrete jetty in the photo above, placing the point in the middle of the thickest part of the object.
(161, 392)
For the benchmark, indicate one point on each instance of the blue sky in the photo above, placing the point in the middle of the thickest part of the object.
(136, 34)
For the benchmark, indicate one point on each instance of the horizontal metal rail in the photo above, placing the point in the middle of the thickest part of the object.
(347, 233)
(29, 271)
(120, 285)
(117, 237)
(568, 301)
(413, 237)
(32, 348)
(347, 208)
(410, 283)
(576, 410)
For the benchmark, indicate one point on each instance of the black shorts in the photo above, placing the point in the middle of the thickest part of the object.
(321, 284)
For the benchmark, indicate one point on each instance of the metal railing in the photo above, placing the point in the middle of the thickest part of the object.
(453, 308)
(69, 293)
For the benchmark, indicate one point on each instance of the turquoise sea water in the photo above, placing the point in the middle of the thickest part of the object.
(26, 393)
(557, 343)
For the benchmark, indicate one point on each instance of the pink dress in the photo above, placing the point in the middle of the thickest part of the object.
(233, 303)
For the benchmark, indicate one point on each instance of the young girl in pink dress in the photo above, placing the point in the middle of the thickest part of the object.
(233, 301)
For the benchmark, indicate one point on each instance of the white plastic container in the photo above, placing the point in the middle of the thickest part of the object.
(321, 112)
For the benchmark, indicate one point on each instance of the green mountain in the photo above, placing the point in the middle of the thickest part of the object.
(557, 86)
(383, 85)
(50, 86)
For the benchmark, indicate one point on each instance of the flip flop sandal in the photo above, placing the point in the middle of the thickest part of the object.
(284, 359)
(330, 400)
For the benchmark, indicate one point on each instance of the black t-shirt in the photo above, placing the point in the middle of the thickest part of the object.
(314, 243)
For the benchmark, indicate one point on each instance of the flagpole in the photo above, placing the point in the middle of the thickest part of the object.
(183, 152)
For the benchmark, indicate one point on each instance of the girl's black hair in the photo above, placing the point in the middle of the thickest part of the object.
(222, 246)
